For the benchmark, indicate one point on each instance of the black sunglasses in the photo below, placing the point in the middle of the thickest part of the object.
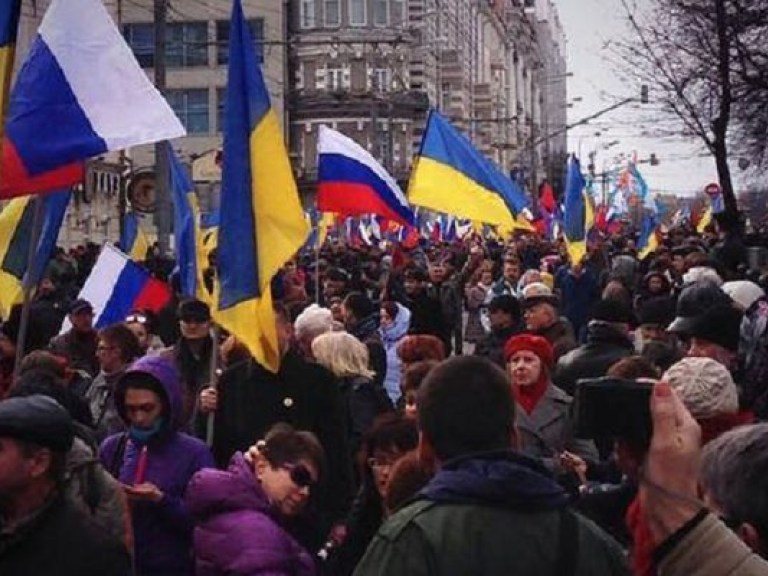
(300, 475)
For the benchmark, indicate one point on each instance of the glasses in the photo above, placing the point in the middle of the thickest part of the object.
(382, 464)
(138, 318)
(300, 475)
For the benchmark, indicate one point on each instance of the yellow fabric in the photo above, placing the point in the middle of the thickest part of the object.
(140, 246)
(11, 288)
(281, 230)
(653, 244)
(706, 220)
(441, 188)
(577, 250)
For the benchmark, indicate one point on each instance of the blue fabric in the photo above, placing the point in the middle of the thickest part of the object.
(391, 337)
(247, 103)
(502, 479)
(575, 210)
(183, 225)
(130, 283)
(130, 232)
(446, 145)
(9, 21)
(44, 145)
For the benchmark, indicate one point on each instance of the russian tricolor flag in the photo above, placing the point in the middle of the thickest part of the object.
(118, 285)
(351, 182)
(79, 94)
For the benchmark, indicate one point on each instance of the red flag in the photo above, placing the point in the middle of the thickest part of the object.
(547, 197)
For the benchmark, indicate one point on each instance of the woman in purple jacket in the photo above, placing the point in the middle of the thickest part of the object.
(239, 512)
(154, 462)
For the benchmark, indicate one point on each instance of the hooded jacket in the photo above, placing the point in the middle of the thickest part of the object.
(492, 513)
(237, 530)
(390, 337)
(163, 530)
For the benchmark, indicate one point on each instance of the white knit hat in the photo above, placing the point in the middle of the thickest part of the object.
(705, 386)
(743, 292)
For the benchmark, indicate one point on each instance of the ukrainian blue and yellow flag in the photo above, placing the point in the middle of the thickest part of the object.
(648, 241)
(16, 221)
(578, 215)
(706, 220)
(186, 216)
(262, 222)
(134, 241)
(10, 11)
(453, 177)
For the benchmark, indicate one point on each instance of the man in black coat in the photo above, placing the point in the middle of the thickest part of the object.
(41, 532)
(504, 315)
(362, 319)
(608, 342)
(249, 400)
(426, 312)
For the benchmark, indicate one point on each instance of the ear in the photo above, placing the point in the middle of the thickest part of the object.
(260, 466)
(750, 537)
(426, 452)
(40, 463)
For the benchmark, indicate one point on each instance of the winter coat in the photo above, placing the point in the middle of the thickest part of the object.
(560, 336)
(492, 345)
(488, 514)
(451, 308)
(753, 349)
(302, 394)
(605, 346)
(101, 400)
(78, 349)
(62, 541)
(548, 430)
(712, 549)
(195, 375)
(163, 530)
(367, 331)
(426, 315)
(93, 491)
(391, 337)
(363, 401)
(577, 295)
(237, 530)
(476, 296)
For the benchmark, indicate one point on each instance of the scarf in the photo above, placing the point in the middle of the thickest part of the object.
(528, 396)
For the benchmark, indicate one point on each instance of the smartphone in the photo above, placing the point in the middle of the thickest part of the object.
(613, 408)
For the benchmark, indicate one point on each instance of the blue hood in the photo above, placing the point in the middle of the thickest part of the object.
(399, 327)
(499, 478)
(163, 371)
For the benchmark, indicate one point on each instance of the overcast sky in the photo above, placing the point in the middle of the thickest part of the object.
(589, 26)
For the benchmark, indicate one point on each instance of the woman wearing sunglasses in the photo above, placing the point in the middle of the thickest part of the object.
(239, 513)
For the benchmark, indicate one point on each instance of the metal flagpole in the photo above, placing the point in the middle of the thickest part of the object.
(213, 380)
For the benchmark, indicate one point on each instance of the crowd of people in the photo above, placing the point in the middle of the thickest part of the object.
(425, 419)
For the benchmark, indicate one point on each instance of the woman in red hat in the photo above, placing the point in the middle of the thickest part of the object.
(542, 418)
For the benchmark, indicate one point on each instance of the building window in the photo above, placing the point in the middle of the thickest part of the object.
(221, 100)
(332, 13)
(357, 13)
(381, 80)
(398, 12)
(222, 39)
(187, 45)
(334, 78)
(307, 14)
(141, 39)
(380, 16)
(191, 106)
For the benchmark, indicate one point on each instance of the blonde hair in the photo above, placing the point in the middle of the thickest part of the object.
(342, 354)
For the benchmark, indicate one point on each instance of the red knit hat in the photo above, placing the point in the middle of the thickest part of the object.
(536, 344)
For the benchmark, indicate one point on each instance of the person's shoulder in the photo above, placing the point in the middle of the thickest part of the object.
(404, 518)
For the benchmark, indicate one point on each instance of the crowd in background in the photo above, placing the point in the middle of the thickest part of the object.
(423, 406)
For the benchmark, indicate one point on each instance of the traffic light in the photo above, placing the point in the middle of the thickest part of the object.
(644, 94)
(653, 160)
